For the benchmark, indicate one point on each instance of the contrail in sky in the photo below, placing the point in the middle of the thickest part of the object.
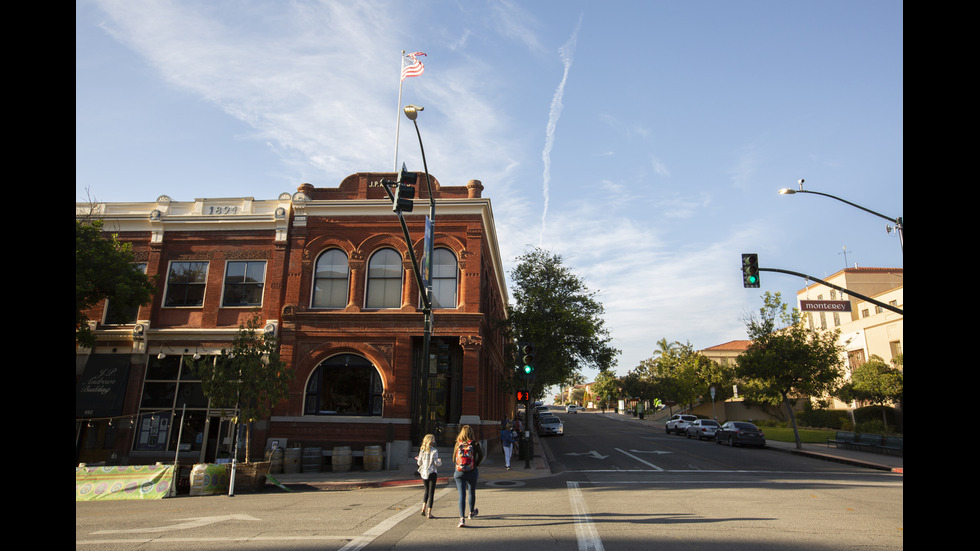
(566, 52)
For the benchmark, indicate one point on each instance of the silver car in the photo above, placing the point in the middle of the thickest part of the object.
(703, 429)
(550, 424)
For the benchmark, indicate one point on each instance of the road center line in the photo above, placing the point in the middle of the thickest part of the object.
(640, 460)
(588, 538)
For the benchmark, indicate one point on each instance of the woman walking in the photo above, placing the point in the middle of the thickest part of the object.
(507, 442)
(467, 456)
(428, 459)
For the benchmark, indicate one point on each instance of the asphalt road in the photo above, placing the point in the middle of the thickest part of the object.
(614, 487)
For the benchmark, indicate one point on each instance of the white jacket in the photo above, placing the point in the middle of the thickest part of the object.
(428, 461)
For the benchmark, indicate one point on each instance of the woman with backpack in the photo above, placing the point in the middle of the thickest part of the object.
(467, 456)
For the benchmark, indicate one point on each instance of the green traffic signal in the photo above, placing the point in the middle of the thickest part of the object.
(527, 349)
(750, 270)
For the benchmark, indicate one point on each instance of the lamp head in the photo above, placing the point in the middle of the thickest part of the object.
(412, 111)
(787, 191)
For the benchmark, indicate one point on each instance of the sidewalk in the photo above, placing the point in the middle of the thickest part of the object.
(492, 469)
(882, 462)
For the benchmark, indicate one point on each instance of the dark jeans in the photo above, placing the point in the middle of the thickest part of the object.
(465, 484)
(430, 489)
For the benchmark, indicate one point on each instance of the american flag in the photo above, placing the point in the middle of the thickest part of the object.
(411, 66)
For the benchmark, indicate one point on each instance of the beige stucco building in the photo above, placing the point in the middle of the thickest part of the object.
(867, 329)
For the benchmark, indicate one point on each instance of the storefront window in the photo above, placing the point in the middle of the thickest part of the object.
(344, 385)
(172, 395)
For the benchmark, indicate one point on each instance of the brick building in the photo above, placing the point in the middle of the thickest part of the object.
(329, 272)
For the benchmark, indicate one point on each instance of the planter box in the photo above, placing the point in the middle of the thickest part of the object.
(250, 477)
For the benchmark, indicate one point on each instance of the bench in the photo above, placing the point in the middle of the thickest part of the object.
(893, 444)
(842, 438)
(868, 442)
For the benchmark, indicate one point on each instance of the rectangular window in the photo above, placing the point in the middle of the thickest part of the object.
(244, 281)
(185, 284)
(123, 315)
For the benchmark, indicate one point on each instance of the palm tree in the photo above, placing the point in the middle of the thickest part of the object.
(664, 348)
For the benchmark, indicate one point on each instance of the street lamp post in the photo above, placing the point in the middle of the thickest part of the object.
(412, 111)
(897, 220)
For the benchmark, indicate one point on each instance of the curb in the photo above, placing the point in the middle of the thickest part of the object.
(843, 460)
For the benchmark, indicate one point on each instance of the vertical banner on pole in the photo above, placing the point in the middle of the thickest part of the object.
(427, 253)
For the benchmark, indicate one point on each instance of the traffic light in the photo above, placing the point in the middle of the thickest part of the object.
(750, 270)
(527, 350)
(404, 191)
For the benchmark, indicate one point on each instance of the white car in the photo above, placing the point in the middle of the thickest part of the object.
(572, 408)
(678, 423)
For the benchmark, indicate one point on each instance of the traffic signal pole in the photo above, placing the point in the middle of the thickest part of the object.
(843, 290)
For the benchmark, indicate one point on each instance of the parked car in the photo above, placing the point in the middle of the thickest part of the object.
(550, 424)
(702, 428)
(740, 433)
(678, 423)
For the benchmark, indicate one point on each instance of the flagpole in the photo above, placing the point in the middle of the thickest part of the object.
(398, 109)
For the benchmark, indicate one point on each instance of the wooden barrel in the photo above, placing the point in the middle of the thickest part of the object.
(275, 460)
(312, 460)
(372, 458)
(340, 461)
(290, 462)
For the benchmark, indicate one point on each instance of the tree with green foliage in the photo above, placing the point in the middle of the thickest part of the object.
(555, 310)
(250, 378)
(876, 382)
(786, 360)
(678, 373)
(605, 388)
(104, 269)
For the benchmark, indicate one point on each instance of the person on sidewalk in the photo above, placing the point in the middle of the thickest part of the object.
(428, 461)
(507, 442)
(467, 456)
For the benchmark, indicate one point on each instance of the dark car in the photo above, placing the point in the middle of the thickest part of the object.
(740, 433)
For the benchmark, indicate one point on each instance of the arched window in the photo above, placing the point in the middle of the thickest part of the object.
(346, 384)
(384, 280)
(444, 279)
(330, 280)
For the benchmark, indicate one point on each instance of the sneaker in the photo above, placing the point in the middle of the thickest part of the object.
(462, 523)
(474, 512)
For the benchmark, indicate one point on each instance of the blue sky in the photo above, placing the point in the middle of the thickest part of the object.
(644, 141)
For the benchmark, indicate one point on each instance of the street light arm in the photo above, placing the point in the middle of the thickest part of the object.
(899, 223)
(428, 184)
(897, 220)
